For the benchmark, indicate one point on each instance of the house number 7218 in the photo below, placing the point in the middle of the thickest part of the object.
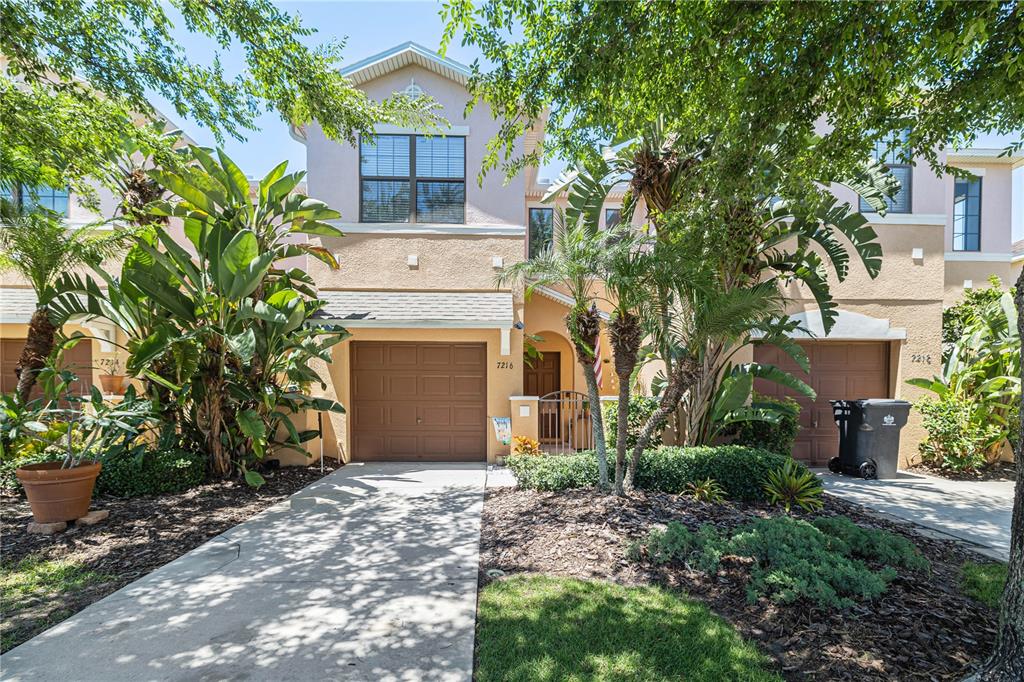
(505, 364)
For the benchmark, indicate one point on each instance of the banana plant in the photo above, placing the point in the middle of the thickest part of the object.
(983, 366)
(219, 330)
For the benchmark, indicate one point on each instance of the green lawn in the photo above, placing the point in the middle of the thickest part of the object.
(30, 591)
(984, 582)
(542, 628)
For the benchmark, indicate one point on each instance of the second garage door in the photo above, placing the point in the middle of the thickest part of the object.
(839, 371)
(419, 401)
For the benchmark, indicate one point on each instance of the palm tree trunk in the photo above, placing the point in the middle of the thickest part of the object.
(597, 422)
(1007, 661)
(38, 347)
(682, 378)
(626, 337)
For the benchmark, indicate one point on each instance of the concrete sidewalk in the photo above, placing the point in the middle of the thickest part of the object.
(975, 512)
(367, 574)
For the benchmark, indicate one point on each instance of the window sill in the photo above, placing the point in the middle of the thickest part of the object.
(475, 230)
(979, 256)
(906, 219)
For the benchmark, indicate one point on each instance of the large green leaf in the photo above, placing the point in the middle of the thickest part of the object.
(243, 344)
(733, 393)
(781, 377)
(240, 251)
(251, 425)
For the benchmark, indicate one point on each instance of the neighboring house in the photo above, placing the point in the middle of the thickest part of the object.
(1017, 263)
(88, 359)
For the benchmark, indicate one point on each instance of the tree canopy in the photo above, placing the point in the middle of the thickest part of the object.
(605, 70)
(77, 74)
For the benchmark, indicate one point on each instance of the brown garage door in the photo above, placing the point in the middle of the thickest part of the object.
(419, 401)
(839, 371)
(78, 359)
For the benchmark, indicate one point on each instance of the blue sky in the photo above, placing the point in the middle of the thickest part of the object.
(367, 28)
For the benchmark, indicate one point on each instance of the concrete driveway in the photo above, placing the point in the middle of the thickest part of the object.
(367, 574)
(976, 512)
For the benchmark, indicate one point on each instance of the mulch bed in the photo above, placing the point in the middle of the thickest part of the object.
(922, 628)
(141, 534)
(1000, 471)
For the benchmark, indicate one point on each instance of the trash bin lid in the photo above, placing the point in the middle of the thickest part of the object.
(887, 402)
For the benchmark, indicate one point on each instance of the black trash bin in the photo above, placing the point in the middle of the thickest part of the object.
(869, 438)
(841, 414)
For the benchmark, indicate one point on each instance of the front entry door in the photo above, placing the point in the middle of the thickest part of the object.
(545, 375)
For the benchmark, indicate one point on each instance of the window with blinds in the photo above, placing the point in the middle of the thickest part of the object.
(967, 215)
(412, 178)
(612, 216)
(890, 151)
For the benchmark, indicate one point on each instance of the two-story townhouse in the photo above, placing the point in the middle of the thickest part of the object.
(437, 347)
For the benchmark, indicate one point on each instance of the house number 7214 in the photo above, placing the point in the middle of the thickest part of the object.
(505, 364)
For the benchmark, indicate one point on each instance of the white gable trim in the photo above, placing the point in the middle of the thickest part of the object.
(404, 55)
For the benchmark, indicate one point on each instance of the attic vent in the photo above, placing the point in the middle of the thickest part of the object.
(413, 90)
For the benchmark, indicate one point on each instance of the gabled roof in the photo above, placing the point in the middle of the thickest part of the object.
(401, 56)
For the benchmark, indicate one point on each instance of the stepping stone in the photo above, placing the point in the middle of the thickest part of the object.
(93, 517)
(46, 528)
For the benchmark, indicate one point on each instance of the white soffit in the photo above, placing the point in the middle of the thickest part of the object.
(564, 299)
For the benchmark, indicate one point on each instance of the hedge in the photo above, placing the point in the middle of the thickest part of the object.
(740, 471)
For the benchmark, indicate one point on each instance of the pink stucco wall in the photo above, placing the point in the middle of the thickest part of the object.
(334, 167)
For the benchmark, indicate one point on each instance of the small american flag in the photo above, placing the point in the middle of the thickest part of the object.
(598, 370)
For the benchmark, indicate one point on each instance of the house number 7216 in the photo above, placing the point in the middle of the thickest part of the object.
(921, 358)
(505, 364)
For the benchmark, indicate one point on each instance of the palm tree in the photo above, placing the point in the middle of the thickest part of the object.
(37, 245)
(575, 260)
(630, 290)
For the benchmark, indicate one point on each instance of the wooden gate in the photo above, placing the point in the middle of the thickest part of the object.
(565, 421)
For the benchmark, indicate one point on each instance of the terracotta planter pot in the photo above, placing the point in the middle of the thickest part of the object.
(113, 384)
(57, 494)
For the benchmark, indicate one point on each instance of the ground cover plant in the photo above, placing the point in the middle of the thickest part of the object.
(64, 573)
(546, 628)
(923, 627)
(823, 562)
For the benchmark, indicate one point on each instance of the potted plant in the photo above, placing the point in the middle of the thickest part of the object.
(112, 380)
(61, 490)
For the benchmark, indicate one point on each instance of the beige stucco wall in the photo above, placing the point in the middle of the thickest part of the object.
(334, 167)
(449, 262)
(957, 272)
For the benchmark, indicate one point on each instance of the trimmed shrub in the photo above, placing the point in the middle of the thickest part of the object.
(958, 436)
(554, 472)
(640, 410)
(739, 471)
(793, 560)
(778, 437)
(154, 472)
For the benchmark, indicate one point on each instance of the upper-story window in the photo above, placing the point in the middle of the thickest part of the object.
(612, 216)
(967, 215)
(889, 151)
(412, 179)
(50, 198)
(542, 230)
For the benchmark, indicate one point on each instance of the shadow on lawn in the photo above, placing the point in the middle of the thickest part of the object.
(539, 627)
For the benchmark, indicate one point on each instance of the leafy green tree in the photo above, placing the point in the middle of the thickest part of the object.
(956, 317)
(576, 255)
(79, 72)
(603, 71)
(38, 246)
(224, 335)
